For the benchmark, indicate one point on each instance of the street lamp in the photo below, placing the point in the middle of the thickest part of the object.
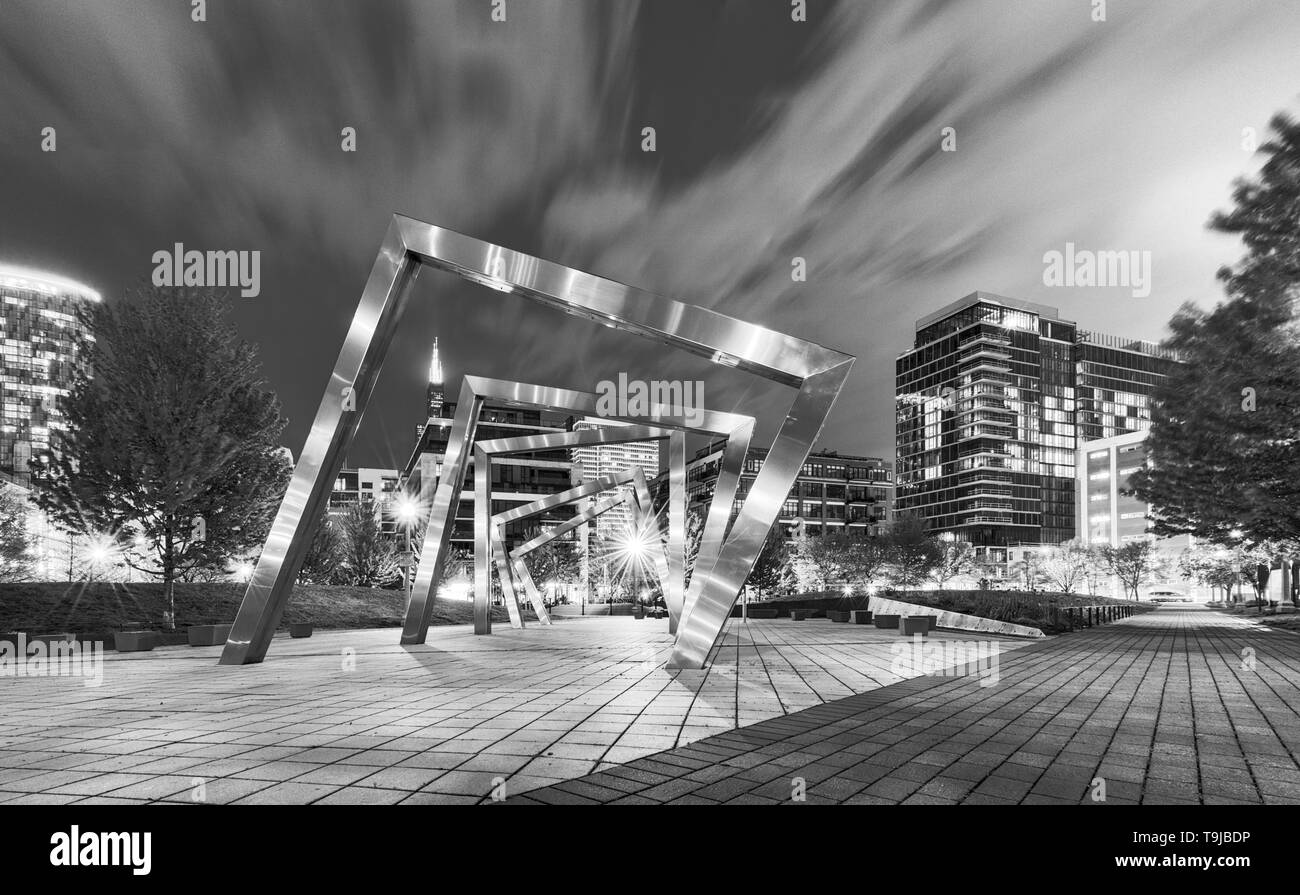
(408, 510)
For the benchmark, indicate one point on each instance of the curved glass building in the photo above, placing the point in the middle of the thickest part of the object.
(42, 341)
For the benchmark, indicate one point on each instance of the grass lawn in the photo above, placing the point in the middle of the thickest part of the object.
(1041, 610)
(56, 607)
(1285, 616)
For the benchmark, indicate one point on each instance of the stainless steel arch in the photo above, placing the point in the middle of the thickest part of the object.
(817, 372)
(475, 390)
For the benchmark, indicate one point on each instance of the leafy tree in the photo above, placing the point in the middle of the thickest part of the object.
(172, 443)
(955, 559)
(324, 556)
(1133, 564)
(865, 560)
(771, 569)
(1029, 568)
(695, 519)
(15, 544)
(804, 568)
(554, 561)
(1226, 424)
(913, 554)
(830, 555)
(369, 558)
(1066, 567)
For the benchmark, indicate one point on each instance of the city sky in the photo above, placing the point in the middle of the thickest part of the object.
(775, 139)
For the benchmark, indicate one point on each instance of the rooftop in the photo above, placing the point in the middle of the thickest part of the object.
(42, 281)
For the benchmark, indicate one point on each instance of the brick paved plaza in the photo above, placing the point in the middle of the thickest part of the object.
(436, 723)
(1179, 706)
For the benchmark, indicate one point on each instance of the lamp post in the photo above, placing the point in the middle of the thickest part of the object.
(407, 511)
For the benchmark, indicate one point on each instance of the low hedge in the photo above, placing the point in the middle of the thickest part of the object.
(52, 607)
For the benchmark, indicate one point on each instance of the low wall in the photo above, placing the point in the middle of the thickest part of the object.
(956, 620)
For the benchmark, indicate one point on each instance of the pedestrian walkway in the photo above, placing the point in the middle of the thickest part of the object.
(1183, 705)
(351, 716)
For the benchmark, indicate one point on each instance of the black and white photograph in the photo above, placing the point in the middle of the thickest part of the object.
(571, 403)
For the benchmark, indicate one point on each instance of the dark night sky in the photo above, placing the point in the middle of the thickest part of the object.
(775, 139)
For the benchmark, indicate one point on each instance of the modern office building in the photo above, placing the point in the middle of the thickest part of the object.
(43, 339)
(1114, 380)
(366, 483)
(993, 400)
(833, 491)
(592, 461)
(1108, 516)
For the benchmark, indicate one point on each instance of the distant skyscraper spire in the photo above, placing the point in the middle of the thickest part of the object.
(434, 394)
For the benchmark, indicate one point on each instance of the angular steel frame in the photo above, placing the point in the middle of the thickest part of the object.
(725, 558)
(642, 508)
(485, 452)
(590, 514)
(731, 426)
(737, 428)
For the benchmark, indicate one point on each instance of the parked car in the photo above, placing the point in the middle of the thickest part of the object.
(1168, 596)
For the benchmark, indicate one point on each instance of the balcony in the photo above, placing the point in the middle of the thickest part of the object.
(999, 338)
(984, 351)
(993, 491)
(989, 450)
(989, 377)
(982, 365)
(990, 504)
(985, 519)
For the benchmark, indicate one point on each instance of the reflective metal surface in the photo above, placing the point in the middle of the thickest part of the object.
(517, 556)
(493, 528)
(817, 372)
(736, 428)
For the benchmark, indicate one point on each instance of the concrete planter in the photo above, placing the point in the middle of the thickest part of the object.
(916, 624)
(861, 616)
(299, 630)
(836, 615)
(886, 621)
(954, 621)
(47, 639)
(134, 641)
(208, 635)
(799, 615)
(760, 612)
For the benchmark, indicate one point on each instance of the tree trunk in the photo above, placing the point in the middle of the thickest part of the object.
(169, 579)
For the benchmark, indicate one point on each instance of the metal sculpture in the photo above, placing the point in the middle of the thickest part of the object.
(643, 510)
(476, 390)
(725, 559)
(517, 556)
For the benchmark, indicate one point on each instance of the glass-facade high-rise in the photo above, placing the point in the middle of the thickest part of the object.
(43, 340)
(992, 401)
(833, 492)
(1114, 380)
(592, 461)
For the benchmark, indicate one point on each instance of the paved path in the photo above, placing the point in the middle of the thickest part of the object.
(1178, 706)
(351, 716)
